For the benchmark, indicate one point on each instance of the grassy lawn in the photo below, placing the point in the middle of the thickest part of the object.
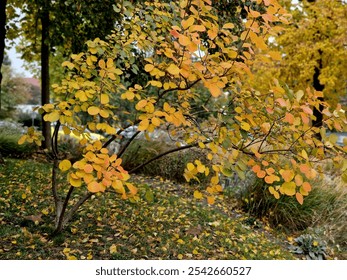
(167, 223)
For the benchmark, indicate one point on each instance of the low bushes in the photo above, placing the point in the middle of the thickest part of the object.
(10, 132)
(170, 167)
(323, 213)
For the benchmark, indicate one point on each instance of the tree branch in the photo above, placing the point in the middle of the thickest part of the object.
(164, 154)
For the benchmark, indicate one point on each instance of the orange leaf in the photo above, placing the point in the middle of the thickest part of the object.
(174, 33)
(282, 102)
(88, 168)
(299, 198)
(95, 187)
(306, 186)
(183, 40)
(256, 168)
(289, 118)
(187, 23)
(261, 174)
(210, 200)
(214, 89)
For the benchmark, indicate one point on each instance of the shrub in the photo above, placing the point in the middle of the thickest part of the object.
(325, 209)
(170, 167)
(10, 132)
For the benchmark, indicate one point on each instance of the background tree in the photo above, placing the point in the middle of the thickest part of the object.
(2, 38)
(313, 48)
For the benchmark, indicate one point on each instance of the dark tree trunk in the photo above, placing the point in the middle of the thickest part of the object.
(46, 126)
(317, 112)
(2, 46)
(2, 37)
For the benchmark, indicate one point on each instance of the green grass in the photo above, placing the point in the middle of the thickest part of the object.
(168, 224)
(323, 213)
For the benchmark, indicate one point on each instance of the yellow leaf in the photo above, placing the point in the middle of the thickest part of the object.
(88, 178)
(103, 113)
(258, 41)
(102, 63)
(109, 63)
(149, 67)
(190, 166)
(228, 25)
(142, 103)
(173, 69)
(288, 188)
(52, 117)
(287, 175)
(156, 121)
(187, 23)
(212, 33)
(245, 126)
(197, 195)
(131, 188)
(75, 182)
(22, 139)
(65, 165)
(143, 125)
(104, 98)
(113, 249)
(111, 130)
(93, 110)
(238, 110)
(200, 28)
(275, 55)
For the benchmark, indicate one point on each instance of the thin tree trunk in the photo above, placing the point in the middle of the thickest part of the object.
(317, 112)
(2, 47)
(2, 37)
(46, 126)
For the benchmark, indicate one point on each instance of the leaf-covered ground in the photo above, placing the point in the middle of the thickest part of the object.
(167, 223)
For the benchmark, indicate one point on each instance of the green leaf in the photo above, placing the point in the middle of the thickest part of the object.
(149, 196)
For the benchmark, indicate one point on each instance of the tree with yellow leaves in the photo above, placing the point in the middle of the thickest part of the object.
(187, 47)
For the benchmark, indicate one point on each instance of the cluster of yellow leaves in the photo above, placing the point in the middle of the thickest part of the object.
(99, 171)
(32, 136)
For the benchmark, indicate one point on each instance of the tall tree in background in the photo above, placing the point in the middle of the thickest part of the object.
(2, 37)
(48, 28)
(45, 54)
(2, 46)
(313, 49)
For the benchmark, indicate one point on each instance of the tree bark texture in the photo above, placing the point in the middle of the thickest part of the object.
(2, 37)
(46, 126)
